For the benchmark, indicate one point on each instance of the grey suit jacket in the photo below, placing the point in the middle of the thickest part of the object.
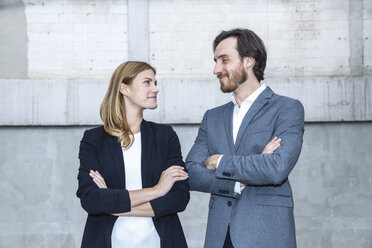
(262, 215)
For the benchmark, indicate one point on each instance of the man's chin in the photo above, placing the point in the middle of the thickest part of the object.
(227, 88)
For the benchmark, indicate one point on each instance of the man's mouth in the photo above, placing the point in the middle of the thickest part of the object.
(221, 76)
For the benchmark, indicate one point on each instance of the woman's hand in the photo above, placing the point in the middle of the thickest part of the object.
(98, 179)
(168, 177)
(272, 145)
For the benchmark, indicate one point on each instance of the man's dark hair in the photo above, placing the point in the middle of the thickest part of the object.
(248, 45)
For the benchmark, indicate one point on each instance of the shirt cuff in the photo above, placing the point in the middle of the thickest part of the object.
(237, 188)
(218, 161)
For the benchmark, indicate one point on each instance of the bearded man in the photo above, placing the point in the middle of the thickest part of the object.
(245, 150)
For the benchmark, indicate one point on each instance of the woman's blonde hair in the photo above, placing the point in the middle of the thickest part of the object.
(112, 108)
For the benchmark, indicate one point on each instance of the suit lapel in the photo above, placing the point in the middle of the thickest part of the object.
(261, 101)
(147, 137)
(117, 155)
(228, 118)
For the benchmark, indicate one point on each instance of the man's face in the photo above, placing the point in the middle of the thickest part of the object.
(229, 66)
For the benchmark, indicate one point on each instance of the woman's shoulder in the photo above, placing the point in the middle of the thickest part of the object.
(95, 130)
(159, 127)
(95, 133)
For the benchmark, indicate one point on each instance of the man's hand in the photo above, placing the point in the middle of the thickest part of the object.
(211, 161)
(272, 145)
(269, 148)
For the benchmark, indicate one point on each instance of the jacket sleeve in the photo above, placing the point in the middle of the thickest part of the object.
(201, 178)
(274, 168)
(93, 199)
(178, 197)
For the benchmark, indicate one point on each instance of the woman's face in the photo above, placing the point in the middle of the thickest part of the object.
(142, 92)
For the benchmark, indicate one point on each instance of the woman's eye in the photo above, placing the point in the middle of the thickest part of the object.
(146, 82)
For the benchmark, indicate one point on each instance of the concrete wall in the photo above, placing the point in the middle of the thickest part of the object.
(56, 58)
(331, 185)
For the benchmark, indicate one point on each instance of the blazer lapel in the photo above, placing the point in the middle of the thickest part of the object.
(117, 155)
(147, 137)
(261, 101)
(228, 118)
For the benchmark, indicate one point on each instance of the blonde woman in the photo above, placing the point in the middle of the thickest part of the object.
(132, 181)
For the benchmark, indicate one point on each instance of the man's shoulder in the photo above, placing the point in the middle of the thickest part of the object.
(219, 109)
(287, 106)
(286, 100)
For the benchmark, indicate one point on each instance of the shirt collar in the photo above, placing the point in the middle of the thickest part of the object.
(252, 97)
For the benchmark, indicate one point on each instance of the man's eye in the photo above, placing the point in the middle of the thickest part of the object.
(224, 61)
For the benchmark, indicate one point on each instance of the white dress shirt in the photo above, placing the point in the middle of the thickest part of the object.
(131, 231)
(238, 117)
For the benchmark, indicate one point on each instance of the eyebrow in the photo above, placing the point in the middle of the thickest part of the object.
(221, 56)
(147, 79)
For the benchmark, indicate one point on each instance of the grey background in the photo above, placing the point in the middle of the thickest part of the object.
(42, 121)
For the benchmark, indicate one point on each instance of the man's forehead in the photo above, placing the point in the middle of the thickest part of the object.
(226, 46)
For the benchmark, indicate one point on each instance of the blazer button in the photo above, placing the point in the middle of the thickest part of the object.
(226, 174)
(229, 203)
(220, 191)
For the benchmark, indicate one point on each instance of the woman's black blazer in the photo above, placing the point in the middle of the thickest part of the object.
(101, 151)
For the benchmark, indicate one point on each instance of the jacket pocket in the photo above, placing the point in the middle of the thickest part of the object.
(253, 131)
(268, 199)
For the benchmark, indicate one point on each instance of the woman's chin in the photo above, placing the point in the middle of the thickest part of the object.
(153, 106)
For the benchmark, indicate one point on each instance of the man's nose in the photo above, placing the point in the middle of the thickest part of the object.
(217, 69)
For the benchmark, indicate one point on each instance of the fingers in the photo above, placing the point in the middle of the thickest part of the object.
(211, 158)
(175, 171)
(98, 179)
(179, 178)
(206, 162)
(173, 174)
(272, 145)
(168, 177)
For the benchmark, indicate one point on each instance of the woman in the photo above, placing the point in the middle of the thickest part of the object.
(131, 178)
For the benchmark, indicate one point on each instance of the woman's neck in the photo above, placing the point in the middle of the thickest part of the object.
(134, 119)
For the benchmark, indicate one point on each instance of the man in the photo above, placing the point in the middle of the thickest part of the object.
(232, 158)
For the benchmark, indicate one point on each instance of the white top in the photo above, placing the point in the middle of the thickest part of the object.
(238, 116)
(130, 231)
(239, 113)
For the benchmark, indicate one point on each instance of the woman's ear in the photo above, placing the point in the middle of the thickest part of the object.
(123, 89)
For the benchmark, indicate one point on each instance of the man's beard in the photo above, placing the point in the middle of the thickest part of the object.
(238, 77)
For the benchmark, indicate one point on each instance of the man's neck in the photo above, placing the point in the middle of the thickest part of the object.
(245, 90)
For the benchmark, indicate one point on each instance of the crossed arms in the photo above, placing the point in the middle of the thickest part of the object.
(170, 195)
(256, 169)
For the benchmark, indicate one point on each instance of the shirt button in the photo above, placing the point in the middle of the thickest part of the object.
(229, 203)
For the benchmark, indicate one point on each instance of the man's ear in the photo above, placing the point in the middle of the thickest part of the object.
(123, 89)
(248, 62)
